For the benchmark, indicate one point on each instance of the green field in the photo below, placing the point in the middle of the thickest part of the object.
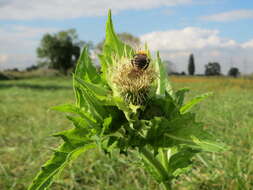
(26, 125)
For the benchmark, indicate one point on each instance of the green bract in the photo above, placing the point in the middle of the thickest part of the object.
(124, 108)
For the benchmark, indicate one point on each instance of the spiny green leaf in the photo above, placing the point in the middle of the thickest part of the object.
(98, 90)
(181, 130)
(151, 170)
(121, 104)
(163, 82)
(84, 123)
(104, 67)
(85, 69)
(66, 108)
(107, 123)
(90, 103)
(208, 145)
(78, 122)
(101, 93)
(76, 141)
(113, 46)
(180, 162)
(185, 130)
(193, 102)
(160, 107)
(75, 135)
(93, 105)
(87, 72)
(55, 165)
(180, 94)
(80, 101)
(158, 170)
(76, 110)
(155, 137)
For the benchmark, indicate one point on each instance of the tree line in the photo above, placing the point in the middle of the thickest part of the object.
(211, 69)
(61, 51)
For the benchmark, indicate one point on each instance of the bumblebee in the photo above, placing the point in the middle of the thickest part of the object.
(140, 61)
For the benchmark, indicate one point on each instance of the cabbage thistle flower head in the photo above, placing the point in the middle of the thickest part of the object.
(133, 77)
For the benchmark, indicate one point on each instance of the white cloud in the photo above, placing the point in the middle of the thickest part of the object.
(22, 38)
(229, 16)
(18, 44)
(248, 44)
(59, 9)
(207, 45)
(185, 39)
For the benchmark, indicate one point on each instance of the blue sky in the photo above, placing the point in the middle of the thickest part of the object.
(214, 30)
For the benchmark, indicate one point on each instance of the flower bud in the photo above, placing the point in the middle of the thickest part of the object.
(133, 78)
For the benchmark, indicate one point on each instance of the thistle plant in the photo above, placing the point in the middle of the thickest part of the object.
(130, 106)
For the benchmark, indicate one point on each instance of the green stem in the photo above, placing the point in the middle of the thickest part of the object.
(158, 166)
(165, 159)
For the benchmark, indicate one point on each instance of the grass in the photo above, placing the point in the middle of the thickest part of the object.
(26, 123)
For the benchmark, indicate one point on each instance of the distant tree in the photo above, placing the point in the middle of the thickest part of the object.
(191, 65)
(233, 72)
(212, 69)
(126, 38)
(32, 68)
(170, 67)
(61, 50)
(14, 69)
(129, 39)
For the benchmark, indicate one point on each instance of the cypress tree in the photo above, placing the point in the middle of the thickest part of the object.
(191, 65)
